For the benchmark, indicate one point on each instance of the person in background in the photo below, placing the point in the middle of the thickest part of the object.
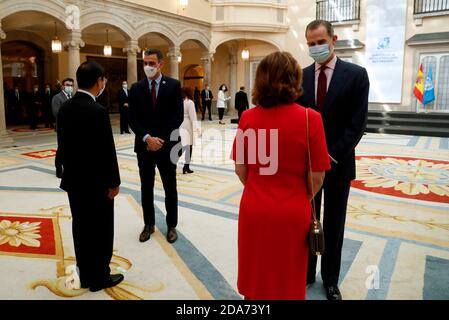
(91, 182)
(17, 102)
(56, 103)
(241, 101)
(123, 105)
(206, 101)
(197, 99)
(189, 128)
(339, 91)
(34, 107)
(222, 102)
(275, 213)
(47, 96)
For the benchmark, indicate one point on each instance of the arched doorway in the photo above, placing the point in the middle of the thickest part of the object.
(23, 67)
(194, 76)
(95, 37)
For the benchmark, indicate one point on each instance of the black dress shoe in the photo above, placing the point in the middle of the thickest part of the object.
(111, 281)
(172, 235)
(333, 293)
(146, 233)
(59, 172)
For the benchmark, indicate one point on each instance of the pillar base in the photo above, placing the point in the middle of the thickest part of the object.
(6, 141)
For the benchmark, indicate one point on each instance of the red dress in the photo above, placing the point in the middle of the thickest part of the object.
(275, 216)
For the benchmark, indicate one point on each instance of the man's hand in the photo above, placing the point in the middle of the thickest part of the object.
(113, 193)
(154, 143)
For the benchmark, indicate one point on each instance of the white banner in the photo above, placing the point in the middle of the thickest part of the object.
(384, 55)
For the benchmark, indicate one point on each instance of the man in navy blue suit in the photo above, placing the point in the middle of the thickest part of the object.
(339, 91)
(156, 110)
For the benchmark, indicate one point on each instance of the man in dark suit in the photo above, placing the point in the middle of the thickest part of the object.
(56, 103)
(91, 177)
(206, 97)
(123, 104)
(339, 91)
(34, 107)
(17, 103)
(197, 99)
(155, 111)
(241, 101)
(47, 97)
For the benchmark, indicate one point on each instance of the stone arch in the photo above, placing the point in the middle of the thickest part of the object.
(196, 36)
(267, 40)
(159, 28)
(103, 17)
(55, 8)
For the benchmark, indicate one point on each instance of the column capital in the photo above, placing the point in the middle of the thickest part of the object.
(132, 47)
(174, 52)
(74, 40)
(207, 57)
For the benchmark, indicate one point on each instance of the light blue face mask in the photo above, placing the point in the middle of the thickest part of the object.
(320, 53)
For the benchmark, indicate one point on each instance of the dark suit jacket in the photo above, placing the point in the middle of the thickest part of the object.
(203, 95)
(86, 146)
(122, 99)
(344, 114)
(241, 101)
(158, 121)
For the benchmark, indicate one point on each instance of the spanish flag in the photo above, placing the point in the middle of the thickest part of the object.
(418, 91)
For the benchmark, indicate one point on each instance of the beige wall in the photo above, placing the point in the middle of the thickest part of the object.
(197, 9)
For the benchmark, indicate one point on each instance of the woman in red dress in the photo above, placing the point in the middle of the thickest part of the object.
(270, 151)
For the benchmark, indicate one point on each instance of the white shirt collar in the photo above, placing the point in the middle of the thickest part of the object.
(331, 64)
(88, 93)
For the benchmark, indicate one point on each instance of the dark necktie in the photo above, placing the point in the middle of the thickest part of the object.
(321, 89)
(153, 93)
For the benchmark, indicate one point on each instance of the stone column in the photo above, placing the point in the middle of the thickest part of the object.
(132, 49)
(74, 44)
(174, 53)
(207, 59)
(233, 60)
(5, 139)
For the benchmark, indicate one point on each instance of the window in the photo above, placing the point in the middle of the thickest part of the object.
(338, 10)
(430, 6)
(439, 63)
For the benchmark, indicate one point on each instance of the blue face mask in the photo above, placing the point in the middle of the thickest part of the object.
(320, 53)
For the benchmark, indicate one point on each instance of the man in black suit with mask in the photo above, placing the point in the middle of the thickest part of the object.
(339, 91)
(206, 99)
(123, 103)
(91, 177)
(241, 101)
(156, 112)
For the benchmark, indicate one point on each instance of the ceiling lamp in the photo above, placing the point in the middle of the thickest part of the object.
(107, 50)
(183, 4)
(245, 52)
(56, 45)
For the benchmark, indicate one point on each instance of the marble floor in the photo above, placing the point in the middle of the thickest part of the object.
(396, 242)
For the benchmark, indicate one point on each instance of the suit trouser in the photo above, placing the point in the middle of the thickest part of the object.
(124, 127)
(336, 192)
(207, 104)
(221, 113)
(93, 233)
(147, 162)
(240, 113)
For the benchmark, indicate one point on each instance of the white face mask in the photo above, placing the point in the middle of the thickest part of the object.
(223, 88)
(150, 72)
(68, 90)
(125, 86)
